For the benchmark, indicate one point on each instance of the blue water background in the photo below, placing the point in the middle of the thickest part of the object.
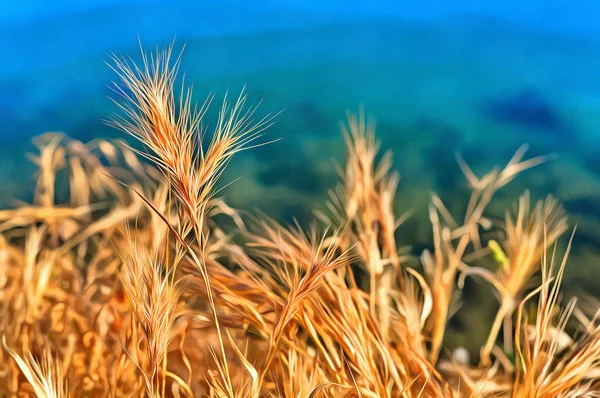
(440, 76)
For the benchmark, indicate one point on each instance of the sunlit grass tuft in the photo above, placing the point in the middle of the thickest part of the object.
(135, 286)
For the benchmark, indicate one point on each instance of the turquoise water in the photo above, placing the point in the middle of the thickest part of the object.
(439, 80)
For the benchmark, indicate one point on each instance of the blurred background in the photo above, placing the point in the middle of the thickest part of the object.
(440, 77)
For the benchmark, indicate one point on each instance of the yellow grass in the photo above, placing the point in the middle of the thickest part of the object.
(133, 286)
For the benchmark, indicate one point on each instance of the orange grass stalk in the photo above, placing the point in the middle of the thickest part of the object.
(173, 137)
(45, 375)
(452, 240)
(365, 203)
(549, 366)
(154, 297)
(528, 236)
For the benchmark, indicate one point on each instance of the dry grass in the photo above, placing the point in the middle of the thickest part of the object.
(134, 286)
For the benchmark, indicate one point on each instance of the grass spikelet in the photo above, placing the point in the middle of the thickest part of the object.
(365, 202)
(45, 375)
(171, 129)
(549, 368)
(154, 297)
(173, 137)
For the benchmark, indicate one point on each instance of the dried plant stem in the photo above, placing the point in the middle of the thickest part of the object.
(504, 313)
(384, 290)
(442, 297)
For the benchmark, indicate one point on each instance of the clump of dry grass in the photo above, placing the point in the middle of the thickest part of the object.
(134, 287)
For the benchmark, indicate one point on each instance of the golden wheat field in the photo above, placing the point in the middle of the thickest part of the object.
(144, 282)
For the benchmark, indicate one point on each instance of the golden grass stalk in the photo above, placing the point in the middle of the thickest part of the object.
(173, 137)
(172, 130)
(545, 370)
(528, 236)
(44, 375)
(154, 297)
(365, 202)
(452, 240)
